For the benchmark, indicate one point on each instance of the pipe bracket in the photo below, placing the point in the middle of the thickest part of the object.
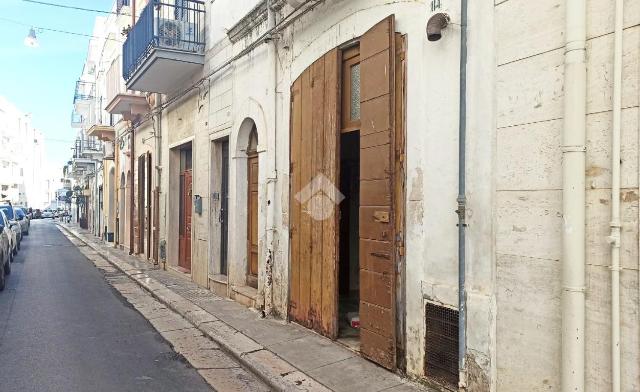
(581, 148)
(575, 289)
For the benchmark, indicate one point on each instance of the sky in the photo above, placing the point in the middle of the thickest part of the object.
(41, 81)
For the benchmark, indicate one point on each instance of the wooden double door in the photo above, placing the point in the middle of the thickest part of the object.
(316, 125)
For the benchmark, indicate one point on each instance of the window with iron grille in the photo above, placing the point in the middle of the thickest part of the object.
(441, 344)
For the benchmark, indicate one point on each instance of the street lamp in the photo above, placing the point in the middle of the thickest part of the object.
(31, 40)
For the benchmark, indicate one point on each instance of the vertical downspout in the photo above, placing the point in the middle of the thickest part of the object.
(117, 185)
(272, 176)
(462, 200)
(158, 161)
(614, 238)
(573, 199)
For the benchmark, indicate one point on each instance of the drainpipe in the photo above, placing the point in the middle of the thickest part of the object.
(117, 185)
(158, 161)
(462, 199)
(272, 176)
(573, 199)
(131, 191)
(614, 238)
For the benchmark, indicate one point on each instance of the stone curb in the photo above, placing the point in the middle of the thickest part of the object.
(276, 372)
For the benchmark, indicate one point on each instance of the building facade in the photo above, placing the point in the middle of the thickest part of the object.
(441, 171)
(23, 154)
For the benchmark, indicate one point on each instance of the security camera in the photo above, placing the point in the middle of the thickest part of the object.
(436, 23)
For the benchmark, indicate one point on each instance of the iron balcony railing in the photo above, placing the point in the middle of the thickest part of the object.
(85, 91)
(77, 119)
(164, 24)
(84, 146)
(120, 4)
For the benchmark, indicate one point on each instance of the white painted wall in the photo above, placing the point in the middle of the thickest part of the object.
(514, 122)
(529, 93)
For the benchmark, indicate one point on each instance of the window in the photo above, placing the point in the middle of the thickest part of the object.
(351, 89)
(8, 211)
(355, 92)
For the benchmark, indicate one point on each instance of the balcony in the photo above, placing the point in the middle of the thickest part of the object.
(87, 149)
(85, 91)
(165, 47)
(77, 120)
(121, 101)
(107, 135)
(102, 132)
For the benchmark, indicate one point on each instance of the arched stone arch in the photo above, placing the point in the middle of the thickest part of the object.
(248, 154)
(250, 114)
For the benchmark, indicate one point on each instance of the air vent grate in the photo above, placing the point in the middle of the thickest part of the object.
(441, 344)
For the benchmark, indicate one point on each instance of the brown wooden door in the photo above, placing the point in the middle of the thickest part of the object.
(252, 220)
(377, 226)
(141, 205)
(186, 181)
(149, 198)
(313, 300)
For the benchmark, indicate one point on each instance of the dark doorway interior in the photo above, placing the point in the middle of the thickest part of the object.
(349, 273)
(224, 207)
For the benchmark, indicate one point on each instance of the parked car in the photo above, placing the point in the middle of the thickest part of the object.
(23, 219)
(47, 214)
(6, 252)
(13, 240)
(14, 223)
(28, 212)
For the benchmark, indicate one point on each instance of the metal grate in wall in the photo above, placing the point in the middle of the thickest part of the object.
(441, 344)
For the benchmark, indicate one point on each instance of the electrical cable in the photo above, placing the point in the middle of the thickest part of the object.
(268, 35)
(74, 8)
(40, 28)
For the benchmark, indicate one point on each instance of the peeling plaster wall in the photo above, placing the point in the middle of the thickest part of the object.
(529, 93)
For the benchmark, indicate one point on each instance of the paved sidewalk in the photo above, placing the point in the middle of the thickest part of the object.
(286, 356)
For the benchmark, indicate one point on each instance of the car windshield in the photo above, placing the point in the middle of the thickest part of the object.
(8, 212)
(19, 213)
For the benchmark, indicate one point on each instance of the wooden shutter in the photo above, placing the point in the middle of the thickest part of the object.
(314, 142)
(377, 226)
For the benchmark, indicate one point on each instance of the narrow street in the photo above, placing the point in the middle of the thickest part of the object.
(63, 328)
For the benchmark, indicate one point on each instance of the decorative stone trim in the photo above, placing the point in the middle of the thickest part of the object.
(252, 20)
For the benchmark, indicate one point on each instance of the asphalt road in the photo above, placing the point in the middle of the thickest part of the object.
(63, 328)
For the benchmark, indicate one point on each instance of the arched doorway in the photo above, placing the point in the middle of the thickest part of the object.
(252, 208)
